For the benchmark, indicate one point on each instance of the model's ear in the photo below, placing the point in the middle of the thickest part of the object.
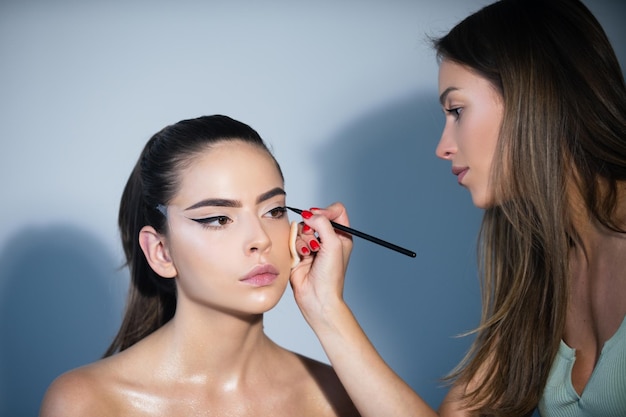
(155, 249)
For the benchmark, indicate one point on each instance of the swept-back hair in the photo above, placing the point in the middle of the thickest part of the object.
(563, 132)
(155, 180)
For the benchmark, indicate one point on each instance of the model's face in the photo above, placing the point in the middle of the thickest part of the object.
(228, 231)
(474, 112)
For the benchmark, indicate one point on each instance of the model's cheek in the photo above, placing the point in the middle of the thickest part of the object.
(281, 247)
(198, 252)
(279, 253)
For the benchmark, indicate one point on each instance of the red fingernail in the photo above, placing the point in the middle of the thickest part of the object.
(306, 228)
(307, 214)
(305, 251)
(314, 245)
(314, 208)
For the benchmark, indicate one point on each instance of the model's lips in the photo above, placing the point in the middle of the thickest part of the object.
(460, 173)
(261, 275)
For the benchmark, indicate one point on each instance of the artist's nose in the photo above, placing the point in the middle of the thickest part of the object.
(446, 148)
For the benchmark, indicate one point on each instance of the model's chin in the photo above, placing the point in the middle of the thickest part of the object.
(266, 302)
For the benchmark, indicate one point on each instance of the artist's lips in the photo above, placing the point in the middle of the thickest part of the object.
(460, 173)
(261, 275)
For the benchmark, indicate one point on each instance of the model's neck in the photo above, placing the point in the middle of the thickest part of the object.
(217, 347)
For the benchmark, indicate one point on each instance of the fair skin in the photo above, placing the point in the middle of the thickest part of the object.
(597, 290)
(474, 112)
(213, 358)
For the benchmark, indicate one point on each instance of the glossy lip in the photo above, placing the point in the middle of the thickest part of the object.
(460, 173)
(261, 275)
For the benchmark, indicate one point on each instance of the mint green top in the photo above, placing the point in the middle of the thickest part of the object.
(605, 392)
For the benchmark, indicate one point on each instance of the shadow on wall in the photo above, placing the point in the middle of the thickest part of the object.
(60, 306)
(384, 169)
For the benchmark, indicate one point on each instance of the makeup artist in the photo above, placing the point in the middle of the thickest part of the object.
(206, 236)
(535, 129)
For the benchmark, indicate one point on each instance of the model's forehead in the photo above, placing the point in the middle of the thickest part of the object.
(230, 169)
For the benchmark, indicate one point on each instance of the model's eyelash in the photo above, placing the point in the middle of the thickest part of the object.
(207, 221)
(217, 222)
(280, 210)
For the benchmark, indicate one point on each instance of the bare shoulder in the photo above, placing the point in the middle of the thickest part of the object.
(331, 387)
(455, 403)
(322, 372)
(76, 393)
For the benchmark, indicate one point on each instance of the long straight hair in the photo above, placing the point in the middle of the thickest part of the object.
(564, 122)
(155, 180)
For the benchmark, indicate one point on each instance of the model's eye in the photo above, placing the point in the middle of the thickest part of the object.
(214, 221)
(277, 213)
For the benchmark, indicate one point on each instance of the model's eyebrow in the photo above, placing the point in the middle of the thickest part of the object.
(271, 193)
(444, 95)
(224, 202)
(215, 202)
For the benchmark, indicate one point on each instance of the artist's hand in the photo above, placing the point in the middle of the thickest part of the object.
(318, 279)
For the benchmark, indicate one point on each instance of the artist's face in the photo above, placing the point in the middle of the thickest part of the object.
(474, 112)
(227, 223)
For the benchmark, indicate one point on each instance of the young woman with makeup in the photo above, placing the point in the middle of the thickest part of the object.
(206, 237)
(535, 128)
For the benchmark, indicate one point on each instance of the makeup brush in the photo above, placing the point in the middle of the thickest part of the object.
(364, 236)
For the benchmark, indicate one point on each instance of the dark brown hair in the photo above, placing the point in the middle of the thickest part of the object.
(563, 132)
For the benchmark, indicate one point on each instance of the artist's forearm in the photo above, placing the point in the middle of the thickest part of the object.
(375, 389)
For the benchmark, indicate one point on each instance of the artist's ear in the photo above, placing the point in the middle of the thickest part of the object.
(156, 251)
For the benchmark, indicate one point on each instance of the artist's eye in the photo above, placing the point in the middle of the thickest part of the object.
(454, 112)
(277, 213)
(214, 222)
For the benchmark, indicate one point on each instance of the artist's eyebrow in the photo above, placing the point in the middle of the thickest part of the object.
(444, 95)
(224, 202)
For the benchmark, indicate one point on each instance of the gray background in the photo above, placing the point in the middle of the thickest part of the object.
(345, 92)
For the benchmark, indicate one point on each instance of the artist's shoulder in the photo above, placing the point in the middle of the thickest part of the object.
(82, 391)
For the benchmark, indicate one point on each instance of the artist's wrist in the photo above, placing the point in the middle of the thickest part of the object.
(331, 316)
